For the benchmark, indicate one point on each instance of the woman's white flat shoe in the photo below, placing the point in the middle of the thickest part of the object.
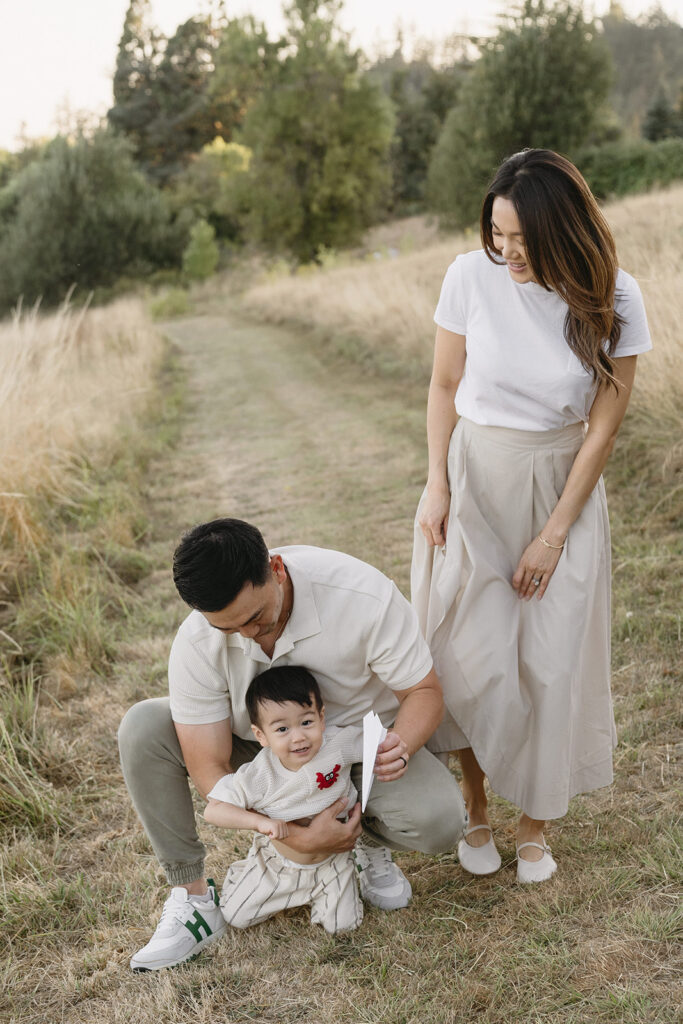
(535, 870)
(479, 860)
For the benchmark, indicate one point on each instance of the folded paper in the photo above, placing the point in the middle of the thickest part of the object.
(373, 734)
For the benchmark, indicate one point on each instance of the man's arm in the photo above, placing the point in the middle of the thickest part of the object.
(206, 752)
(420, 711)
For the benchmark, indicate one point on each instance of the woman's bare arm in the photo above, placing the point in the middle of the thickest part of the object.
(448, 368)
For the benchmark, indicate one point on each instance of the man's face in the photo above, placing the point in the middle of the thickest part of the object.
(293, 731)
(255, 612)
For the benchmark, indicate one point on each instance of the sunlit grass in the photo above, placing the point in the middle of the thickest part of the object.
(69, 384)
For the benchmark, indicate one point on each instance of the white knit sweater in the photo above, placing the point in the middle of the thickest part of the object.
(266, 786)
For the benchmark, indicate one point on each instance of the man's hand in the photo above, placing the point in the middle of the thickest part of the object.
(326, 834)
(392, 758)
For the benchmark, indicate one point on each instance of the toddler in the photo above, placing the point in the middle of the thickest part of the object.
(301, 770)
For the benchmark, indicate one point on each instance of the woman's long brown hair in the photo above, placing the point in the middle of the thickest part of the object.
(569, 247)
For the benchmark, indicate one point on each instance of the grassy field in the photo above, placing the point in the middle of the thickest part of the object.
(88, 613)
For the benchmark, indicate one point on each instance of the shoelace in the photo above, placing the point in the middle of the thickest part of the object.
(379, 864)
(174, 910)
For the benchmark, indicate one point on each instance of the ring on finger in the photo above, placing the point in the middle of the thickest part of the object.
(536, 581)
(402, 758)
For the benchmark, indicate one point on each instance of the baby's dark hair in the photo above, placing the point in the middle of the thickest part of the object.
(286, 682)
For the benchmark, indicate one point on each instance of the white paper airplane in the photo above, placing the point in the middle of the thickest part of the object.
(373, 734)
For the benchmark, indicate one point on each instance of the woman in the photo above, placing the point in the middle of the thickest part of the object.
(534, 362)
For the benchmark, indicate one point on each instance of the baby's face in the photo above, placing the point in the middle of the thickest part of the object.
(293, 731)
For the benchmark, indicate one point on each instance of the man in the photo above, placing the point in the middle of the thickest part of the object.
(349, 625)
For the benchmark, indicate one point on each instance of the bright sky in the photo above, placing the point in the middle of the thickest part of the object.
(61, 53)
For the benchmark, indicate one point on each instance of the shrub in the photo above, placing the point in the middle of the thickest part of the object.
(201, 255)
(623, 168)
(209, 187)
(81, 214)
(173, 302)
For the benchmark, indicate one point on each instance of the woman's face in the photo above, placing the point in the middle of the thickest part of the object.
(509, 241)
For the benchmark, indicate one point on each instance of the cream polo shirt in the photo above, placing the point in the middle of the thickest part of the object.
(349, 626)
(266, 786)
(519, 370)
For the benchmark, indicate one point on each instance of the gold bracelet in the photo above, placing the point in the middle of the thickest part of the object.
(555, 547)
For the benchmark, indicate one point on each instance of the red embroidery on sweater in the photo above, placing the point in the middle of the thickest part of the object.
(325, 781)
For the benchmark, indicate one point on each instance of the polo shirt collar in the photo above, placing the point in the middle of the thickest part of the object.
(303, 622)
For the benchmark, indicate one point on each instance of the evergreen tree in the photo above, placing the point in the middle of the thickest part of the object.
(648, 56)
(243, 62)
(661, 120)
(541, 82)
(320, 134)
(421, 95)
(185, 119)
(136, 104)
(210, 189)
(201, 255)
(161, 97)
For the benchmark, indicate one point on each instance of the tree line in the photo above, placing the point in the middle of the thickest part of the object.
(221, 137)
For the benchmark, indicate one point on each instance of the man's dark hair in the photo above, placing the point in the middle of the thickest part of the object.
(286, 682)
(215, 560)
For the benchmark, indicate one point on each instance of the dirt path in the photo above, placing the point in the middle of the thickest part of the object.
(310, 451)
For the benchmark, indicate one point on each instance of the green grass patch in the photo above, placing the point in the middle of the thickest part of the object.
(169, 304)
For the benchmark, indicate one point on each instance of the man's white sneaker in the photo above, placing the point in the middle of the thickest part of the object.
(185, 929)
(382, 883)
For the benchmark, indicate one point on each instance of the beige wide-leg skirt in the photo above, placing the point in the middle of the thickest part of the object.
(526, 684)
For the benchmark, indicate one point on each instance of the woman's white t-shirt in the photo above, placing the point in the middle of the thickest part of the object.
(520, 371)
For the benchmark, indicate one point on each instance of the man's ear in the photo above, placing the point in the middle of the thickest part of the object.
(260, 736)
(278, 568)
(322, 715)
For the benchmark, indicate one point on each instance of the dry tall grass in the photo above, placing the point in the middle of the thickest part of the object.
(68, 383)
(71, 386)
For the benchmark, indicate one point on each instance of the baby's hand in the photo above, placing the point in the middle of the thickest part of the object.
(273, 829)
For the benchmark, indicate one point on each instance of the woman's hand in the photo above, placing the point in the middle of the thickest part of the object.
(538, 562)
(434, 514)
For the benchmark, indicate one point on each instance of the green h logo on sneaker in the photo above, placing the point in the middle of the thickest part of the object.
(196, 926)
